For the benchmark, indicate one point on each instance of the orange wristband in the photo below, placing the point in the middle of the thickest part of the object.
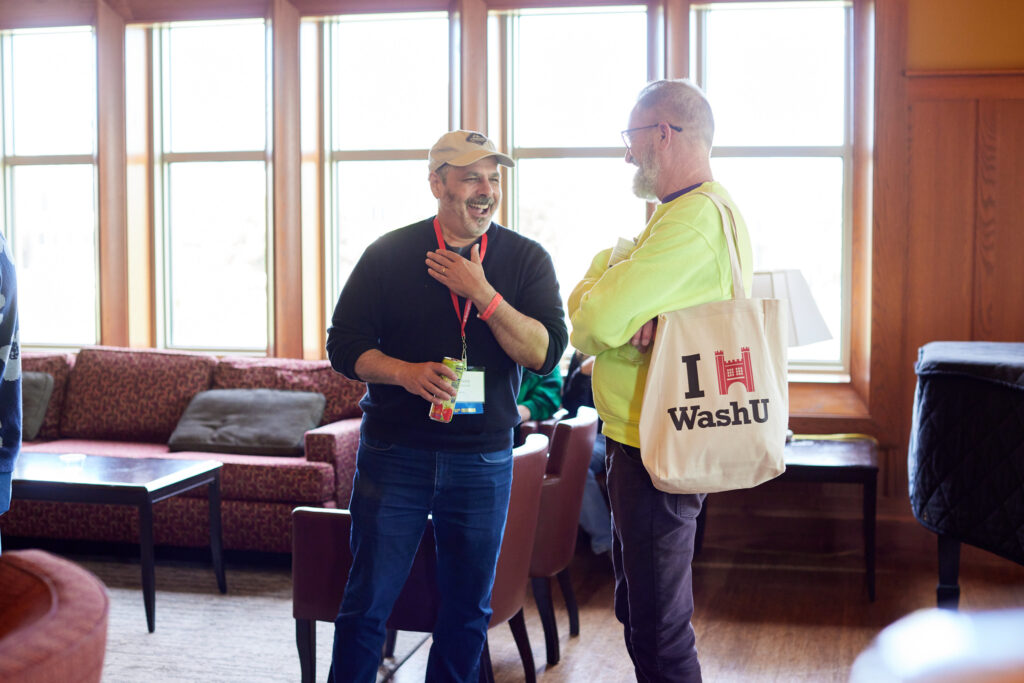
(491, 307)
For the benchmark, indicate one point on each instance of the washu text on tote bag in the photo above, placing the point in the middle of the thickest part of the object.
(716, 399)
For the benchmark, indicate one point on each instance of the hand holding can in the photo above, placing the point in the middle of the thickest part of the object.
(442, 412)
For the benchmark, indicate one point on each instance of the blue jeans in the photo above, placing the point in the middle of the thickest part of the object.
(594, 516)
(654, 534)
(395, 488)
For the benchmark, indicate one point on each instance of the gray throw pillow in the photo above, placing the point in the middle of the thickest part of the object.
(248, 421)
(36, 389)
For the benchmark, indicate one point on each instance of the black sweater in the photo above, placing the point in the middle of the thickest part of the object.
(391, 304)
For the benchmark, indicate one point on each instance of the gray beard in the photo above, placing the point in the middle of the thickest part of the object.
(644, 181)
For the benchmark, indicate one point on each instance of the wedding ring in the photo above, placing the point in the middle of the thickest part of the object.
(444, 269)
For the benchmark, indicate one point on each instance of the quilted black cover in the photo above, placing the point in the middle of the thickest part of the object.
(966, 455)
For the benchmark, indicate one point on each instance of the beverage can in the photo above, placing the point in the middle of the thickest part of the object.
(442, 412)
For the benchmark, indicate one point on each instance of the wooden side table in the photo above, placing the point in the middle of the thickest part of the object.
(833, 459)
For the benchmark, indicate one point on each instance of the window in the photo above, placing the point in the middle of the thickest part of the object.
(560, 97)
(382, 116)
(559, 82)
(212, 206)
(778, 75)
(48, 176)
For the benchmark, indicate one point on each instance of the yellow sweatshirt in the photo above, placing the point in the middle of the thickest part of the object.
(681, 259)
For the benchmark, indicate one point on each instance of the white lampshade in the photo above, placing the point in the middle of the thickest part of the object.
(806, 325)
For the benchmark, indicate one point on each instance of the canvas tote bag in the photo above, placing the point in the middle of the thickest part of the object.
(716, 400)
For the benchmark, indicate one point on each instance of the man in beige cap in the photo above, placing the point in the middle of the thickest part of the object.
(405, 308)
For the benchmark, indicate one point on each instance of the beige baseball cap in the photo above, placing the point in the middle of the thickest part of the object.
(462, 148)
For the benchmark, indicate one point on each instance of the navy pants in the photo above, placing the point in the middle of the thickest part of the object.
(395, 489)
(652, 548)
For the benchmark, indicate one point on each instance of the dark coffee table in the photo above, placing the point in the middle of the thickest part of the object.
(78, 478)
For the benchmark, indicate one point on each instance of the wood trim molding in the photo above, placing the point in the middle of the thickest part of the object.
(142, 298)
(677, 38)
(891, 367)
(966, 85)
(314, 216)
(961, 73)
(471, 18)
(860, 246)
(547, 4)
(151, 11)
(112, 177)
(320, 8)
(15, 14)
(286, 341)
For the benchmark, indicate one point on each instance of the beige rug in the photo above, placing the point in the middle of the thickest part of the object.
(247, 634)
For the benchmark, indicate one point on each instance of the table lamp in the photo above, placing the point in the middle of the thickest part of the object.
(806, 324)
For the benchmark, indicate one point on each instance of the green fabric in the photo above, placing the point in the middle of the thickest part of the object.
(542, 394)
(681, 259)
(36, 389)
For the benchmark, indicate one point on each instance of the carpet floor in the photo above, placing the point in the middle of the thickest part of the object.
(247, 634)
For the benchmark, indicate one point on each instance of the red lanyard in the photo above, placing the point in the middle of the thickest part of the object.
(464, 316)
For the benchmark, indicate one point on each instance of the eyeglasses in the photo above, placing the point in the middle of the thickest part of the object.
(628, 133)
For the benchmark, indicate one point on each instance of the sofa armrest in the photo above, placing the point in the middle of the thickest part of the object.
(336, 443)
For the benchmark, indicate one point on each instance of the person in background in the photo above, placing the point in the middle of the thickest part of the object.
(540, 396)
(10, 375)
(681, 259)
(594, 515)
(404, 309)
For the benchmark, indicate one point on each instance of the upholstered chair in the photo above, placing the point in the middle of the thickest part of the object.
(561, 498)
(321, 559)
(545, 427)
(53, 619)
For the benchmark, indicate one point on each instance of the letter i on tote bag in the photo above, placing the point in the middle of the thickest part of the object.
(716, 401)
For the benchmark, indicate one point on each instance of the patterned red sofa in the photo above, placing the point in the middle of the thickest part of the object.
(127, 402)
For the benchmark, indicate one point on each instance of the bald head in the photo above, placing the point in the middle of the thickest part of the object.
(681, 102)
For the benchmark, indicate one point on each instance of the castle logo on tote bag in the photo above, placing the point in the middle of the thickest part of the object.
(716, 398)
(728, 372)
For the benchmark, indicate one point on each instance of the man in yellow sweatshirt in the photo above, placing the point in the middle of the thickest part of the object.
(679, 260)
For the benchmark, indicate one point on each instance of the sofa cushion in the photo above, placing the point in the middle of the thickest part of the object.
(248, 421)
(58, 366)
(131, 394)
(36, 389)
(342, 394)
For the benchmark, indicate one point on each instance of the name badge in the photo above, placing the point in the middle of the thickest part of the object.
(470, 400)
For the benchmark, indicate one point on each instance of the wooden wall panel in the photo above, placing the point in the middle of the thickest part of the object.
(999, 252)
(940, 245)
(963, 233)
(941, 222)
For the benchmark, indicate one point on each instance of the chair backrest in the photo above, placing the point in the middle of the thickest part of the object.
(545, 427)
(321, 557)
(562, 492)
(510, 580)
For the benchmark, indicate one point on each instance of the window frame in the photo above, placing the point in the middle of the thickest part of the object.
(162, 161)
(814, 407)
(507, 89)
(810, 371)
(9, 162)
(328, 202)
